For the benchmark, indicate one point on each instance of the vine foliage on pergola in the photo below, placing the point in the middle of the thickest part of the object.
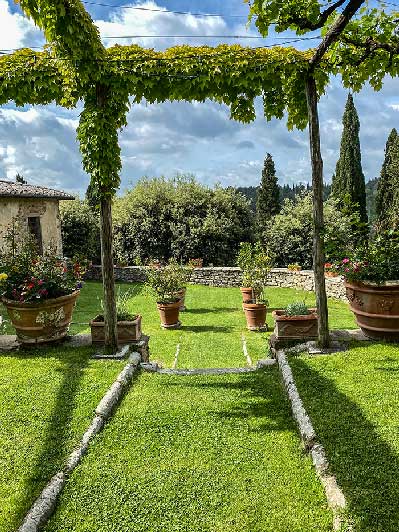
(76, 66)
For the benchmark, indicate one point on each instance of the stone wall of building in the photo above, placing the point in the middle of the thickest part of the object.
(223, 277)
(20, 209)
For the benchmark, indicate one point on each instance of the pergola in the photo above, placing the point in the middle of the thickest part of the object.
(76, 66)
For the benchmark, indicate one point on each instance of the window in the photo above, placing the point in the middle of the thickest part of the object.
(35, 230)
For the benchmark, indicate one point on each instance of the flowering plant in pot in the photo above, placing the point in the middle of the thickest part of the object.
(371, 275)
(295, 267)
(38, 291)
(128, 322)
(256, 265)
(166, 284)
(295, 322)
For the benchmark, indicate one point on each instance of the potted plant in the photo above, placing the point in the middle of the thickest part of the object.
(38, 291)
(166, 283)
(372, 285)
(256, 265)
(296, 322)
(196, 263)
(244, 259)
(330, 270)
(294, 267)
(128, 323)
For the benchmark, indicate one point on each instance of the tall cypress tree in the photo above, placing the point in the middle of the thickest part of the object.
(386, 182)
(348, 184)
(268, 196)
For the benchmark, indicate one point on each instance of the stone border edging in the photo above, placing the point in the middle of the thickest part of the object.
(44, 506)
(334, 495)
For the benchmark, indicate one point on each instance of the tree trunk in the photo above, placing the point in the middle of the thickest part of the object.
(107, 265)
(318, 218)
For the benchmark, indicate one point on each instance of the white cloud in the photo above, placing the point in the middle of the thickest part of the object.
(14, 28)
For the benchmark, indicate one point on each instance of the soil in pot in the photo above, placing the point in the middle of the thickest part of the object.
(376, 308)
(295, 327)
(169, 314)
(42, 322)
(255, 314)
(127, 331)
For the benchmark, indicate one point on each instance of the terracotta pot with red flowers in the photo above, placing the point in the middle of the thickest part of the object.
(38, 291)
(372, 286)
(255, 264)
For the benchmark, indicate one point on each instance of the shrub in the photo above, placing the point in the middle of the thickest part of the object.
(180, 218)
(80, 229)
(297, 308)
(289, 235)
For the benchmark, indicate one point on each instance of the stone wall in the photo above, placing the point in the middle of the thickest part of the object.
(223, 277)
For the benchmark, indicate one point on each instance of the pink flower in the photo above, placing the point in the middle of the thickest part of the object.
(40, 282)
(346, 269)
(345, 261)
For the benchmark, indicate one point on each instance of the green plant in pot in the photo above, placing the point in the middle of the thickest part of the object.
(128, 322)
(371, 274)
(166, 284)
(295, 322)
(39, 291)
(255, 264)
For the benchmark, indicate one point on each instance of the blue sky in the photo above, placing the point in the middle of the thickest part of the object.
(165, 139)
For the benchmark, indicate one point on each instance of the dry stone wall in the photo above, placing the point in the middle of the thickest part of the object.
(224, 276)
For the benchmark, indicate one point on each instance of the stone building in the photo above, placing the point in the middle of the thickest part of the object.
(34, 209)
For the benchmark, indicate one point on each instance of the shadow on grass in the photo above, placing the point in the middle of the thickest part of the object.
(55, 447)
(215, 310)
(207, 328)
(366, 467)
(261, 397)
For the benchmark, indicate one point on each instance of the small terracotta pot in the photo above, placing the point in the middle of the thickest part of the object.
(331, 274)
(255, 314)
(295, 327)
(127, 331)
(246, 294)
(169, 314)
(181, 294)
(42, 322)
(376, 308)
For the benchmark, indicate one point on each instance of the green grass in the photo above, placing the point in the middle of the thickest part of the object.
(195, 454)
(47, 402)
(352, 399)
(213, 325)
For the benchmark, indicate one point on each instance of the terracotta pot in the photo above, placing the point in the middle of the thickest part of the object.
(169, 314)
(42, 322)
(197, 263)
(295, 327)
(376, 308)
(127, 331)
(246, 294)
(181, 294)
(331, 274)
(255, 314)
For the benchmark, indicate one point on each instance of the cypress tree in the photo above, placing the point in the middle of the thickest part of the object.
(348, 183)
(268, 196)
(386, 182)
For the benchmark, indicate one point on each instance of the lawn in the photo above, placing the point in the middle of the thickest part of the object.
(213, 325)
(47, 402)
(214, 453)
(352, 399)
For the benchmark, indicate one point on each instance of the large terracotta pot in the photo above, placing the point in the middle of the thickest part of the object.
(169, 314)
(376, 308)
(43, 322)
(127, 331)
(247, 296)
(255, 314)
(295, 327)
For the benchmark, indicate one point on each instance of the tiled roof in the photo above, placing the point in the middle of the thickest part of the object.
(10, 189)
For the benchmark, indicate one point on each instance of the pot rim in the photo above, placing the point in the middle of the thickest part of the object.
(42, 303)
(279, 315)
(94, 323)
(169, 305)
(386, 285)
(254, 306)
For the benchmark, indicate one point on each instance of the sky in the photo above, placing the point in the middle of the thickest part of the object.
(177, 137)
